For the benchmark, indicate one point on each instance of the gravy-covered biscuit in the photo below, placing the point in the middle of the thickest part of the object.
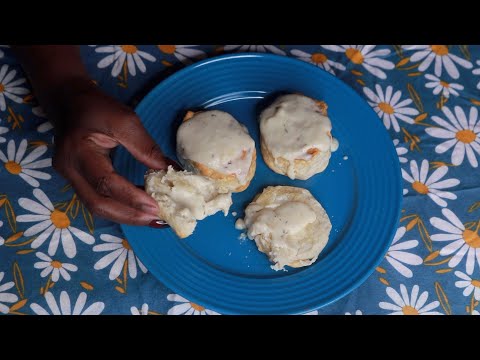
(214, 144)
(296, 138)
(288, 224)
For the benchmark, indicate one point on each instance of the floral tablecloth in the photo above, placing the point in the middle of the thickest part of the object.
(55, 258)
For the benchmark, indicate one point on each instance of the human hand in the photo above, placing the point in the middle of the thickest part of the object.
(92, 124)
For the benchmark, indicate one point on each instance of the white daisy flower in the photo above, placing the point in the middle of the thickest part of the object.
(255, 48)
(357, 312)
(431, 186)
(3, 130)
(6, 297)
(388, 107)
(2, 240)
(477, 72)
(463, 241)
(441, 86)
(10, 89)
(64, 307)
(462, 133)
(363, 55)
(123, 55)
(25, 167)
(442, 56)
(51, 221)
(397, 256)
(319, 59)
(185, 53)
(470, 285)
(137, 311)
(186, 307)
(119, 251)
(400, 151)
(409, 305)
(54, 267)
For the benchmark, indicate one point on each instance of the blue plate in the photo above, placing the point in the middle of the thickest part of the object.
(360, 190)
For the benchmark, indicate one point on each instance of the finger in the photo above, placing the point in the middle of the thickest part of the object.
(108, 208)
(140, 144)
(103, 178)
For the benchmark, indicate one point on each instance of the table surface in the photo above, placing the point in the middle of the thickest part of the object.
(55, 258)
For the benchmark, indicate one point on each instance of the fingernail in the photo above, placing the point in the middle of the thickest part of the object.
(158, 224)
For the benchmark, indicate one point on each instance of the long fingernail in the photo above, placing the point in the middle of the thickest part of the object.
(158, 224)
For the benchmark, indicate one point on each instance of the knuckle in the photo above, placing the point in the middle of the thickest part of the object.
(127, 127)
(154, 152)
(130, 116)
(103, 185)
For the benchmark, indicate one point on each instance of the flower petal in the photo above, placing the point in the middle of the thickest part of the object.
(436, 175)
(44, 200)
(398, 266)
(80, 304)
(53, 246)
(94, 309)
(452, 247)
(395, 296)
(68, 244)
(52, 304)
(455, 260)
(37, 309)
(82, 235)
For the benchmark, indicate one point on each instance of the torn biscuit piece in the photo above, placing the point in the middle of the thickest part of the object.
(183, 198)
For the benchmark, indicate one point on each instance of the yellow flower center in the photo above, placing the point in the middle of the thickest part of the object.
(386, 108)
(471, 238)
(354, 55)
(419, 187)
(408, 310)
(167, 49)
(56, 264)
(60, 219)
(129, 49)
(126, 245)
(444, 84)
(476, 283)
(197, 307)
(466, 136)
(13, 167)
(318, 58)
(440, 50)
(2, 88)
